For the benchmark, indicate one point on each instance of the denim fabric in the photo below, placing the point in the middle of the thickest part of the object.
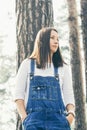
(45, 107)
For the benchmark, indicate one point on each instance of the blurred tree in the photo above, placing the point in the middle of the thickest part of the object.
(7, 66)
(76, 66)
(84, 34)
(32, 15)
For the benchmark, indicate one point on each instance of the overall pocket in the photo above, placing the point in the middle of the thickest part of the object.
(39, 92)
(26, 119)
(67, 122)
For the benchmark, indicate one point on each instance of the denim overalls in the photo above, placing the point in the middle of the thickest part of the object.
(45, 107)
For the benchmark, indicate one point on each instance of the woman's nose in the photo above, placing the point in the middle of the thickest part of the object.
(56, 41)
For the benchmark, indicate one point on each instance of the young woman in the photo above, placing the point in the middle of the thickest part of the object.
(44, 94)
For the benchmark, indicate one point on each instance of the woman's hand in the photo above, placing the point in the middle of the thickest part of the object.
(23, 117)
(21, 108)
(70, 118)
(71, 113)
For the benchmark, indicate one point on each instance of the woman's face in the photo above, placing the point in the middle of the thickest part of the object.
(53, 41)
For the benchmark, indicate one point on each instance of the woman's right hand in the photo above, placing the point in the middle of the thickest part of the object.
(21, 108)
(23, 117)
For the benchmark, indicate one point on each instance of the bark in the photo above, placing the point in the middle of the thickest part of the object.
(84, 34)
(32, 15)
(76, 66)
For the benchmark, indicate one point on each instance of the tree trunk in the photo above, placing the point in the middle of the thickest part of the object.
(32, 15)
(84, 34)
(76, 65)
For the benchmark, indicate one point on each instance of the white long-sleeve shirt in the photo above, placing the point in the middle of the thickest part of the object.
(22, 81)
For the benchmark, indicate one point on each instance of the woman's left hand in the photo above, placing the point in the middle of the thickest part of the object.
(70, 118)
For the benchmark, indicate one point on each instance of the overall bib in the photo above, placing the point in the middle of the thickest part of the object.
(45, 107)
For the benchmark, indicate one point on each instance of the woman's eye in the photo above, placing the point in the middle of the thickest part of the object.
(52, 37)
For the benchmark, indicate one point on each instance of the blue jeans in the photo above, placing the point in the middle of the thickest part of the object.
(46, 120)
(45, 107)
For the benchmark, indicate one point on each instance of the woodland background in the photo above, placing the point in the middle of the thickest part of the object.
(69, 17)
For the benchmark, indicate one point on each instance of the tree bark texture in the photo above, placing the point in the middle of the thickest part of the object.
(84, 34)
(76, 65)
(32, 15)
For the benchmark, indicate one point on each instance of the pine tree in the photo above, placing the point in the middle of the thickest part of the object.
(76, 66)
(84, 34)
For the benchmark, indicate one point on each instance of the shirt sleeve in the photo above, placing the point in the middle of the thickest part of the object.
(67, 86)
(21, 81)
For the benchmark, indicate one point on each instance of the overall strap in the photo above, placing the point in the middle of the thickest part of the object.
(32, 67)
(56, 73)
(31, 74)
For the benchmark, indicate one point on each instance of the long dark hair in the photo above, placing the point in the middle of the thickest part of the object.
(41, 50)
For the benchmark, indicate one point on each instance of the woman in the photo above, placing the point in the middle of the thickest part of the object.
(44, 94)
